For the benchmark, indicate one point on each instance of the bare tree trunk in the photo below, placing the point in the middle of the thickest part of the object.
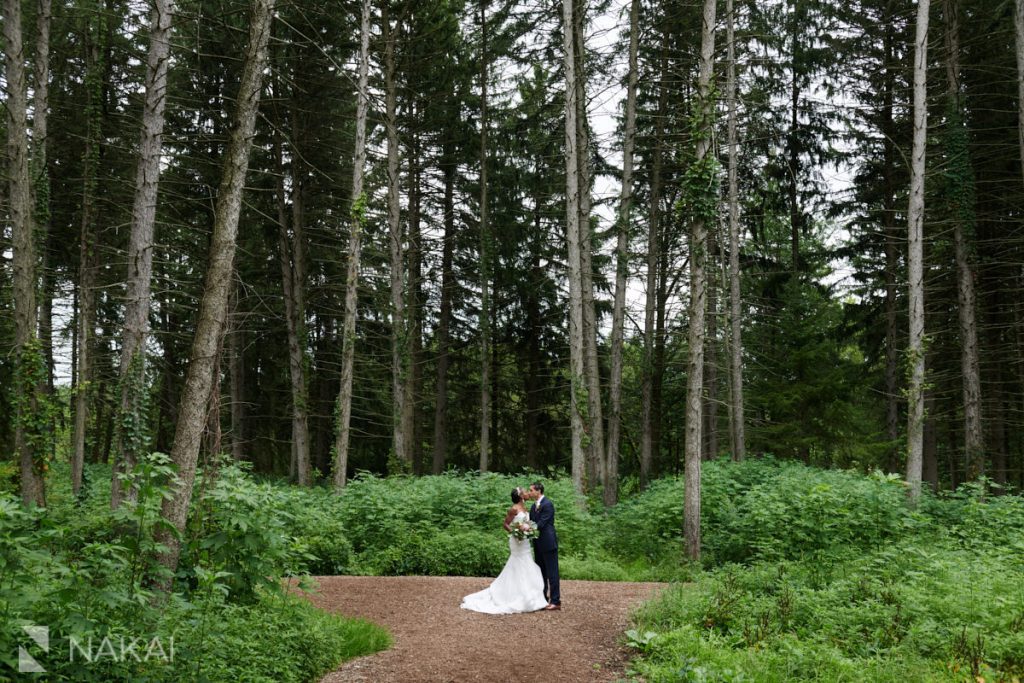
(485, 273)
(915, 257)
(88, 260)
(709, 427)
(41, 180)
(24, 256)
(1018, 361)
(1018, 23)
(929, 447)
(534, 327)
(444, 318)
(963, 219)
(648, 389)
(86, 321)
(414, 307)
(611, 474)
(236, 370)
(357, 219)
(998, 431)
(213, 306)
(399, 336)
(578, 387)
(892, 389)
(698, 297)
(891, 350)
(295, 326)
(591, 364)
(737, 418)
(213, 434)
(293, 276)
(169, 389)
(795, 214)
(131, 417)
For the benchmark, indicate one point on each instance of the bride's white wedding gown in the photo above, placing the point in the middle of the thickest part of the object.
(518, 588)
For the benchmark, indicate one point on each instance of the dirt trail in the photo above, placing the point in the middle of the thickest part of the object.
(438, 642)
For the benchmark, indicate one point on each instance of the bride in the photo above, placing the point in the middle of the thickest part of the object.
(519, 587)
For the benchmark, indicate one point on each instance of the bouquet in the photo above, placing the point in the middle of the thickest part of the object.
(523, 530)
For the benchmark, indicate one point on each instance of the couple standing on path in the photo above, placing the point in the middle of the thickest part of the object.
(529, 580)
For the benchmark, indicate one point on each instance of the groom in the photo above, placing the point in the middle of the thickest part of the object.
(545, 547)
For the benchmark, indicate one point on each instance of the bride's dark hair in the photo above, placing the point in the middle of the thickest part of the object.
(517, 494)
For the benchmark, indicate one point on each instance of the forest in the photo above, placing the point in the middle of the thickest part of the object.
(258, 253)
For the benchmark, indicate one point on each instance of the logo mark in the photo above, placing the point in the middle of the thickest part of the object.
(26, 662)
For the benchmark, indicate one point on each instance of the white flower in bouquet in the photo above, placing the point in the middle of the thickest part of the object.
(524, 530)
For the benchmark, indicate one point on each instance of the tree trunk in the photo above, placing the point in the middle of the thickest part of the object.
(236, 370)
(736, 413)
(611, 475)
(998, 431)
(357, 219)
(929, 447)
(963, 221)
(795, 214)
(169, 382)
(892, 388)
(1018, 23)
(709, 427)
(399, 336)
(414, 378)
(578, 386)
(88, 258)
(445, 317)
(534, 328)
(212, 436)
(24, 257)
(698, 296)
(41, 180)
(915, 257)
(293, 277)
(1018, 335)
(132, 413)
(648, 442)
(485, 255)
(591, 364)
(213, 306)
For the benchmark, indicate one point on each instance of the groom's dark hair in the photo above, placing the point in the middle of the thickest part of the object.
(539, 486)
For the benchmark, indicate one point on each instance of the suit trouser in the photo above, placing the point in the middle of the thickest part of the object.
(548, 562)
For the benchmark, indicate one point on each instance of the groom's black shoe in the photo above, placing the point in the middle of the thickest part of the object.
(553, 606)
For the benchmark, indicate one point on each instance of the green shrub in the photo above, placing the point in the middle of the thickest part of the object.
(911, 611)
(376, 512)
(243, 529)
(803, 510)
(591, 569)
(276, 638)
(79, 569)
(9, 476)
(762, 509)
(319, 533)
(458, 553)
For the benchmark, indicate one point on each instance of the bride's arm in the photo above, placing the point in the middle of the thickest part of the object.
(509, 516)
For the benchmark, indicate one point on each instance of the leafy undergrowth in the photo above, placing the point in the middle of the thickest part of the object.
(81, 572)
(830, 576)
(807, 574)
(446, 525)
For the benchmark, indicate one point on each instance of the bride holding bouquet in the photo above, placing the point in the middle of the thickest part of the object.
(519, 587)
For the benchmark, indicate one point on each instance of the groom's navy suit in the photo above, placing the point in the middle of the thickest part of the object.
(545, 548)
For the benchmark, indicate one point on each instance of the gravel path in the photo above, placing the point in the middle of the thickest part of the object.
(438, 642)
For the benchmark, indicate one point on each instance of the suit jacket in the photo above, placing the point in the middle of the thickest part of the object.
(543, 513)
